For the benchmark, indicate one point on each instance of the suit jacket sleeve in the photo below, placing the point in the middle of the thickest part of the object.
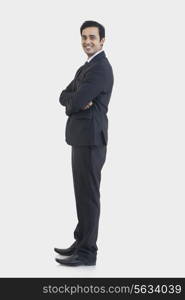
(69, 88)
(91, 86)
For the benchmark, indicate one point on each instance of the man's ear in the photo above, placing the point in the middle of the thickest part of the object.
(102, 41)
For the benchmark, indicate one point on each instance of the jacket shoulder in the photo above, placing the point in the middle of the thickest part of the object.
(102, 66)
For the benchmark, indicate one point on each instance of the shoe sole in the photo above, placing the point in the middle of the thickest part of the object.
(75, 265)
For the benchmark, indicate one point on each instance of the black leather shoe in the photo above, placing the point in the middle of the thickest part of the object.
(74, 261)
(66, 252)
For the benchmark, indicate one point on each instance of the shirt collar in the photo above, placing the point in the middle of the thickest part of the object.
(90, 58)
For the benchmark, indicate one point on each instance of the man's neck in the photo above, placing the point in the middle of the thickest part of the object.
(91, 57)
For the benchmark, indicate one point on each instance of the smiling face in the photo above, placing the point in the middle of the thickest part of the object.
(91, 40)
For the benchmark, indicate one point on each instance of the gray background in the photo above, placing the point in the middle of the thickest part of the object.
(142, 190)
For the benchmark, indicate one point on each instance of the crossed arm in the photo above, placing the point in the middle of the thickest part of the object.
(91, 87)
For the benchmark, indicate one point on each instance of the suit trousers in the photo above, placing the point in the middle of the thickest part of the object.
(87, 163)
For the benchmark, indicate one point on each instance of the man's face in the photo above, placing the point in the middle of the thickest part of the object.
(91, 40)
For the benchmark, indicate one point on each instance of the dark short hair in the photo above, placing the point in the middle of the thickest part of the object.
(94, 24)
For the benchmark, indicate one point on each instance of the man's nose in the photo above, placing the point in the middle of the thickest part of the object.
(88, 41)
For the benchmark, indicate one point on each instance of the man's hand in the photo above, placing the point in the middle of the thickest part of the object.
(88, 105)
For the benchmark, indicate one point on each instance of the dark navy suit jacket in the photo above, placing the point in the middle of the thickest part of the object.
(92, 82)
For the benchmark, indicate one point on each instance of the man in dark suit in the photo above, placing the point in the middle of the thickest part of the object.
(86, 101)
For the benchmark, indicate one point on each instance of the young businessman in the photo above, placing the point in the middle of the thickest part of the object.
(86, 101)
